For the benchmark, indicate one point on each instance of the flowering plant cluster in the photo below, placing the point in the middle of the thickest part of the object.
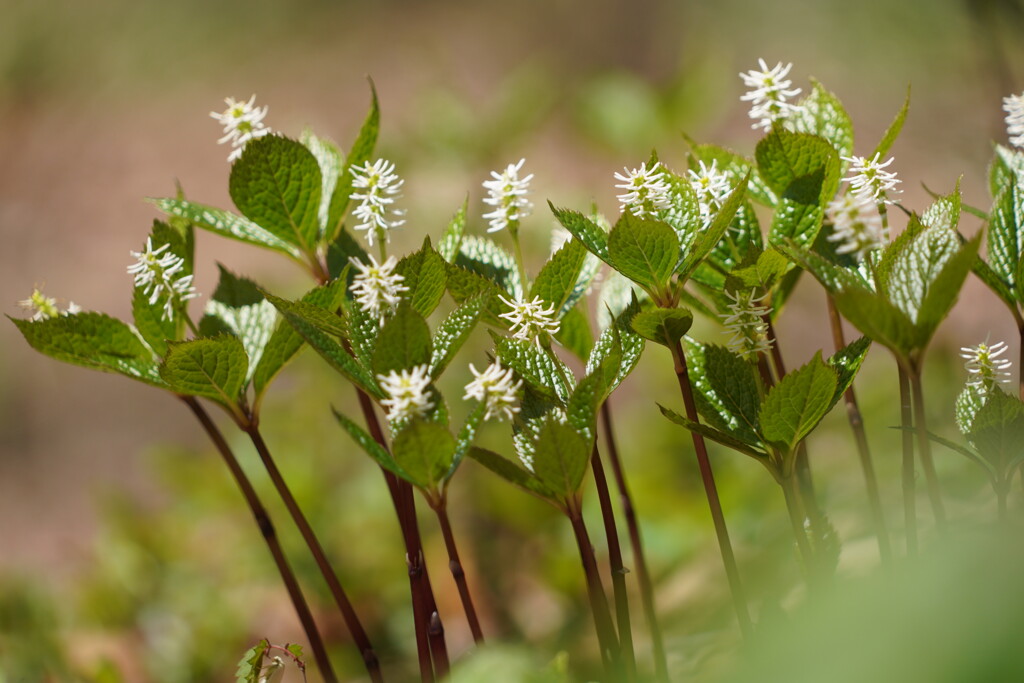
(726, 237)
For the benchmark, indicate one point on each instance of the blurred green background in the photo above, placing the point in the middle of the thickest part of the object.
(125, 552)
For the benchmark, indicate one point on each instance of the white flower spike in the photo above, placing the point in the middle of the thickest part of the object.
(646, 190)
(984, 366)
(496, 388)
(376, 287)
(407, 394)
(242, 122)
(856, 225)
(529, 318)
(769, 94)
(712, 188)
(377, 187)
(870, 177)
(156, 272)
(1014, 108)
(507, 194)
(746, 323)
(41, 306)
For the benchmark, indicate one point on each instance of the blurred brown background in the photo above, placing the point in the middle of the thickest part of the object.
(106, 102)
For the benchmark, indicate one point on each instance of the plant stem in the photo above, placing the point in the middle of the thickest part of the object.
(1020, 358)
(458, 573)
(1001, 493)
(595, 590)
(513, 231)
(618, 569)
(925, 448)
(430, 642)
(642, 574)
(348, 612)
(860, 436)
(797, 517)
(909, 494)
(269, 536)
(711, 491)
(803, 462)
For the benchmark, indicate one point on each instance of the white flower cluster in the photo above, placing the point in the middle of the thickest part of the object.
(407, 393)
(496, 388)
(712, 188)
(646, 190)
(984, 366)
(376, 287)
(242, 122)
(856, 225)
(746, 323)
(529, 318)
(769, 94)
(506, 192)
(45, 307)
(869, 177)
(377, 187)
(157, 271)
(1014, 108)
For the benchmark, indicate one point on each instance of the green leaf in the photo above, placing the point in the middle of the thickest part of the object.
(358, 155)
(330, 161)
(276, 183)
(557, 279)
(708, 239)
(715, 435)
(453, 332)
(448, 245)
(510, 472)
(403, 343)
(795, 406)
(482, 256)
(646, 251)
(1006, 237)
(370, 446)
(240, 305)
(803, 170)
(251, 664)
(997, 432)
(585, 230)
(846, 362)
(944, 212)
(426, 276)
(770, 266)
(93, 340)
(822, 114)
(560, 458)
(331, 350)
(285, 342)
(212, 368)
(736, 387)
(227, 224)
(879, 319)
(944, 288)
(340, 253)
(968, 403)
(664, 326)
(574, 333)
(424, 450)
(465, 438)
(893, 131)
(534, 366)
(590, 393)
(153, 326)
(1006, 168)
(618, 334)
